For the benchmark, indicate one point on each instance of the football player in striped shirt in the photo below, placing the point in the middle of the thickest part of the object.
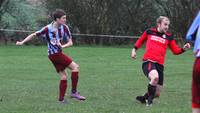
(194, 36)
(56, 33)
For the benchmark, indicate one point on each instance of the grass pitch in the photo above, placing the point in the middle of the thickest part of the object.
(109, 79)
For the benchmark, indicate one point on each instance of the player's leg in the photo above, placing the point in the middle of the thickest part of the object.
(153, 76)
(62, 85)
(157, 94)
(74, 77)
(57, 60)
(195, 110)
(142, 98)
(159, 86)
(150, 71)
(158, 90)
(195, 87)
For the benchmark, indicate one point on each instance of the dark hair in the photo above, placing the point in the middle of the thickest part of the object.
(58, 13)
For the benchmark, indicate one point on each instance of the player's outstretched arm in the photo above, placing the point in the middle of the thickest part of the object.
(176, 49)
(28, 38)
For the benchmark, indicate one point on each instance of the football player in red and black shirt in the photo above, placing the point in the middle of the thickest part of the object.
(157, 40)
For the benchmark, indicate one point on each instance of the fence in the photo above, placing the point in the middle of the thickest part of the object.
(8, 36)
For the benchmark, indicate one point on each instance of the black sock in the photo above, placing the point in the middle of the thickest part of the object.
(151, 92)
(73, 91)
(146, 95)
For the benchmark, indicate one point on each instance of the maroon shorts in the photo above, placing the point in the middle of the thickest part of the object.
(60, 61)
(196, 84)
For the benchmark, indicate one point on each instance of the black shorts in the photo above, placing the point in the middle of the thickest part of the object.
(147, 66)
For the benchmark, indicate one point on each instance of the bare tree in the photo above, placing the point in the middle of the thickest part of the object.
(181, 13)
(126, 17)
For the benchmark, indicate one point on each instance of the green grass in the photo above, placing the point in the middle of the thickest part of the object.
(109, 79)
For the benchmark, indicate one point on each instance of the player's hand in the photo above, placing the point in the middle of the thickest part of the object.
(133, 53)
(18, 43)
(186, 46)
(59, 45)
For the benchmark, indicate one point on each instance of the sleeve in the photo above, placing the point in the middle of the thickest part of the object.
(197, 41)
(141, 40)
(43, 31)
(191, 34)
(67, 31)
(175, 48)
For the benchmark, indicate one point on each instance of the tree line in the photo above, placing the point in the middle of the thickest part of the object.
(112, 17)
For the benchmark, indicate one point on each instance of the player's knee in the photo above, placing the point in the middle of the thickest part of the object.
(75, 67)
(154, 79)
(63, 77)
(153, 75)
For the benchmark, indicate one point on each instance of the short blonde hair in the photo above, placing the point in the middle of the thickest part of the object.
(161, 18)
